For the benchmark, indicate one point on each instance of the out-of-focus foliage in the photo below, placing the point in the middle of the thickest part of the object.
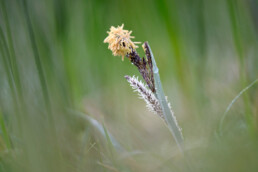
(54, 66)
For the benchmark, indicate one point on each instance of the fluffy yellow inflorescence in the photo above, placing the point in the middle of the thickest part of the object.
(119, 41)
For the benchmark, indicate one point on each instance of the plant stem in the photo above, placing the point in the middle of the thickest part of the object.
(172, 124)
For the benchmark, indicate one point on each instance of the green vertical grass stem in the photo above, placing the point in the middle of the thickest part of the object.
(5, 133)
(12, 54)
(42, 79)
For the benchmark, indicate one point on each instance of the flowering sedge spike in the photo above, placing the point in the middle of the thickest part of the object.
(144, 67)
(121, 45)
(151, 101)
(119, 41)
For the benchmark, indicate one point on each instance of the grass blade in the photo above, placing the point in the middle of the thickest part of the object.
(171, 122)
(231, 104)
(5, 133)
(38, 62)
(105, 133)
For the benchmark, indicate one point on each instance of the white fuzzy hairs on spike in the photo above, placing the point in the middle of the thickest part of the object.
(151, 101)
(147, 95)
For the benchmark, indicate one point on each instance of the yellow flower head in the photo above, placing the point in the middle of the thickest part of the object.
(119, 41)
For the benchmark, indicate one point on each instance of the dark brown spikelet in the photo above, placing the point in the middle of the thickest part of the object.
(148, 55)
(144, 67)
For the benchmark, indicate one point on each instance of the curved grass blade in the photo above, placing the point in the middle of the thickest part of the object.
(105, 133)
(171, 122)
(231, 104)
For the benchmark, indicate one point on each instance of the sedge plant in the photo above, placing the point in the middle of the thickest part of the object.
(151, 92)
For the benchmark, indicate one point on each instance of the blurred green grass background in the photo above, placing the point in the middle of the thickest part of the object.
(55, 70)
